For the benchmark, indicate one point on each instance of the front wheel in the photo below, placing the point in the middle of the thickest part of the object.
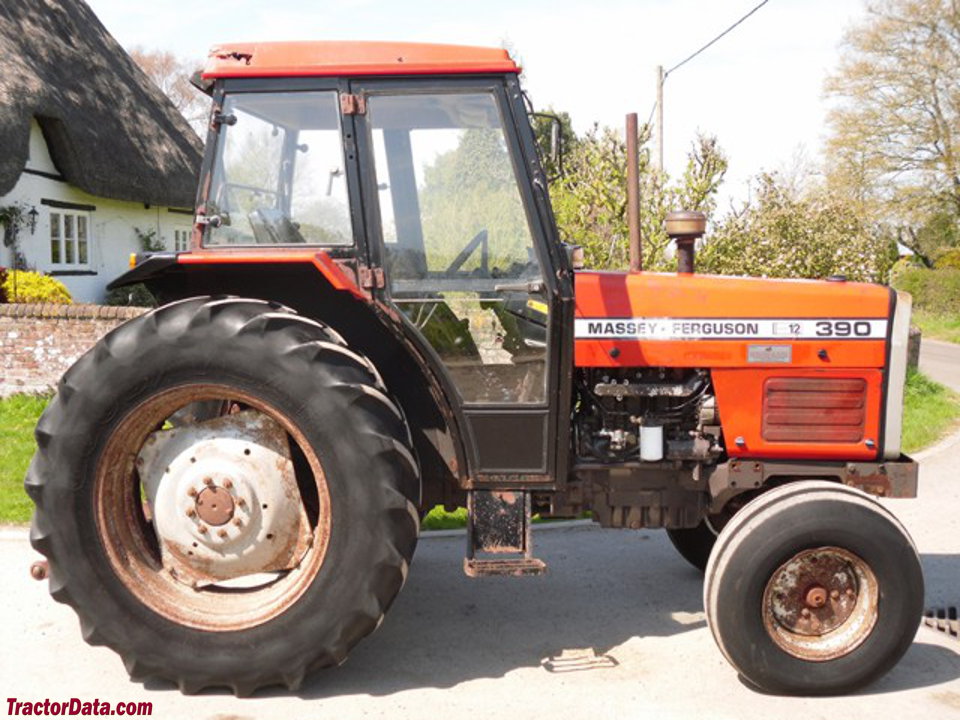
(813, 589)
(226, 495)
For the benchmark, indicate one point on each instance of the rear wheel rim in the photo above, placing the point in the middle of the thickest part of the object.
(821, 604)
(131, 544)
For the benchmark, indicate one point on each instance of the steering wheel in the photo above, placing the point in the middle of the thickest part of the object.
(479, 240)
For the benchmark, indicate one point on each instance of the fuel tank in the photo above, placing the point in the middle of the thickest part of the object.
(799, 367)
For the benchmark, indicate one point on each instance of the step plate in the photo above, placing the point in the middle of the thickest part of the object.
(514, 567)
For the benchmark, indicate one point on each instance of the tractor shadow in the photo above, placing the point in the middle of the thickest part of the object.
(602, 588)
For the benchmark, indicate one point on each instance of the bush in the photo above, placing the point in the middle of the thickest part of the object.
(26, 286)
(950, 260)
(904, 264)
(785, 233)
(934, 290)
(132, 296)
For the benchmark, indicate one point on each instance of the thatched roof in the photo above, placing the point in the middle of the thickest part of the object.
(110, 130)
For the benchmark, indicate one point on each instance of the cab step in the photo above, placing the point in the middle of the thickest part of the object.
(516, 567)
(499, 534)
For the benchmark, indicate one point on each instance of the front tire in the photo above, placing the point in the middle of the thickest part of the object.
(813, 589)
(110, 510)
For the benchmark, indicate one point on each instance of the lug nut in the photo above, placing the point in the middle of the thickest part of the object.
(192, 492)
(228, 483)
(191, 512)
(208, 481)
(201, 528)
(222, 533)
(805, 612)
(39, 570)
(835, 594)
(850, 592)
(238, 522)
(241, 502)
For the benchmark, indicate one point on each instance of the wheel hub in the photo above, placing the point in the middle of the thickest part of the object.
(224, 498)
(821, 603)
(215, 505)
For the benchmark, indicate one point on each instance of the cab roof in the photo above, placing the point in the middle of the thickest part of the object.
(355, 58)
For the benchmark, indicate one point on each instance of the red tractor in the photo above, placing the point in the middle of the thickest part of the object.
(376, 316)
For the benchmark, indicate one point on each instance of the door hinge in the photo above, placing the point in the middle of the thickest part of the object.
(371, 278)
(351, 104)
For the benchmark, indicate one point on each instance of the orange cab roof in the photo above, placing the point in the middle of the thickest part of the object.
(272, 59)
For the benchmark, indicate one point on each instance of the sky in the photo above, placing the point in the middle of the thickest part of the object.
(759, 89)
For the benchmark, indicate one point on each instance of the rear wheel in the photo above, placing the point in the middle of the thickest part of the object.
(813, 588)
(226, 495)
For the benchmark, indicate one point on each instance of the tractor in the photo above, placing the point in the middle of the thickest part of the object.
(376, 316)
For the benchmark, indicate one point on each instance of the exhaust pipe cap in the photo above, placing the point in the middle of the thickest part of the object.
(685, 228)
(685, 223)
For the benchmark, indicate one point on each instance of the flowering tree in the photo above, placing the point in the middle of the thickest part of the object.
(784, 233)
(895, 126)
(590, 200)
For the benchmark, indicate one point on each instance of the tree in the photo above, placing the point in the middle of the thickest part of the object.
(590, 200)
(172, 75)
(466, 190)
(786, 234)
(895, 142)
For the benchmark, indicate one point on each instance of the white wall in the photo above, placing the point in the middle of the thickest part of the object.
(112, 236)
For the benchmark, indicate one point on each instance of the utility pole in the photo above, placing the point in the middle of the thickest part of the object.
(660, 118)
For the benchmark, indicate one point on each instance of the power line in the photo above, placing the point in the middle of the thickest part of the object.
(725, 32)
(662, 76)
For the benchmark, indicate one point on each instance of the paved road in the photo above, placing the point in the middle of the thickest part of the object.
(456, 648)
(941, 361)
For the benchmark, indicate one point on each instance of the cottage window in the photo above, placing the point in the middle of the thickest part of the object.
(69, 239)
(181, 240)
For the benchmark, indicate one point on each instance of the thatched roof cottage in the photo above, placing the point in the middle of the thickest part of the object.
(90, 148)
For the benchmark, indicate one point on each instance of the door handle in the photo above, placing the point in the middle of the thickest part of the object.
(532, 287)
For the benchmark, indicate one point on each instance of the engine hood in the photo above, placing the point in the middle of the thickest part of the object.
(654, 319)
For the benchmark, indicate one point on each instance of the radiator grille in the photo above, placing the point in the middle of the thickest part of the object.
(814, 409)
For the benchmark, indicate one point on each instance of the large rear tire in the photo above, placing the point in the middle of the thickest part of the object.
(299, 495)
(813, 588)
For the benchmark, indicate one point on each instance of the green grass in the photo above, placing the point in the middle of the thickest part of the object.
(938, 326)
(440, 519)
(18, 416)
(930, 411)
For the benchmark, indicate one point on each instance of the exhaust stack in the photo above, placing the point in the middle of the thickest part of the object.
(685, 228)
(633, 195)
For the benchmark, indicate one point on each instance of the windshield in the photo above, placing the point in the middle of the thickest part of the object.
(278, 175)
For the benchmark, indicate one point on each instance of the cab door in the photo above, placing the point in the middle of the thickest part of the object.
(464, 259)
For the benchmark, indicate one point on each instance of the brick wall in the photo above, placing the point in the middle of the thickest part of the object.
(39, 342)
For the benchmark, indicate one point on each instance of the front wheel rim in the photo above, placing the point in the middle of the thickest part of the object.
(821, 604)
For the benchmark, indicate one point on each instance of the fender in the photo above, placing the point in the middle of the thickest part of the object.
(338, 300)
(154, 265)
